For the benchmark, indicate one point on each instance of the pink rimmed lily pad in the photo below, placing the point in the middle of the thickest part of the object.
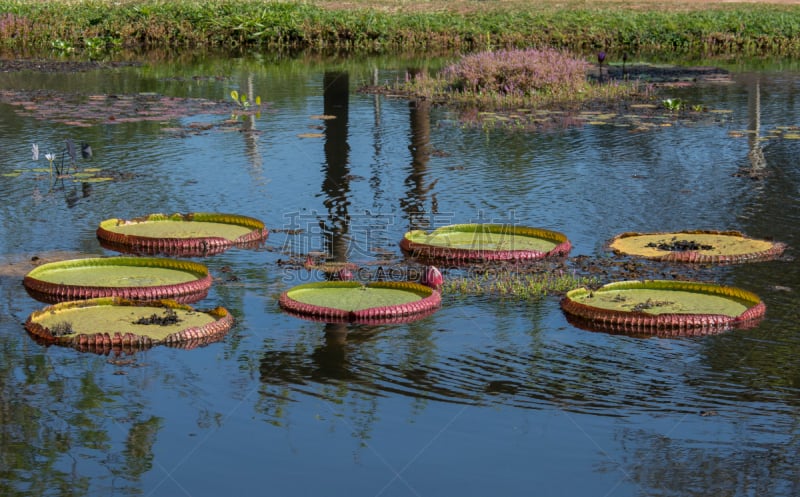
(697, 246)
(354, 302)
(109, 324)
(663, 308)
(464, 243)
(189, 235)
(136, 278)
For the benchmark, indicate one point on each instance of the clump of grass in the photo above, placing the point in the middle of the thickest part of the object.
(518, 285)
(518, 78)
(517, 73)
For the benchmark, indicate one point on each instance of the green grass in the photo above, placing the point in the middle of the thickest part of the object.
(718, 29)
(517, 285)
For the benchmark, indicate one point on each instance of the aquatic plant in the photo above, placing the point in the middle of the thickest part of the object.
(482, 242)
(516, 72)
(518, 78)
(242, 99)
(523, 285)
(58, 169)
(114, 322)
(377, 302)
(673, 104)
(432, 277)
(50, 158)
(196, 234)
(662, 307)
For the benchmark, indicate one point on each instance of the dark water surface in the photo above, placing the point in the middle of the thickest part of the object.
(488, 396)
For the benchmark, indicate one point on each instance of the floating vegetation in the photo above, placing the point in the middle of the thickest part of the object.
(105, 324)
(508, 283)
(552, 89)
(481, 242)
(662, 308)
(194, 234)
(696, 246)
(515, 78)
(243, 101)
(80, 110)
(141, 278)
(353, 302)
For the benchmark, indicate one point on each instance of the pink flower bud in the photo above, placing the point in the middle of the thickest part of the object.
(432, 277)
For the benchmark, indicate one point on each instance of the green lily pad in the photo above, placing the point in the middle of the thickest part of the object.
(188, 235)
(485, 242)
(351, 301)
(139, 278)
(115, 322)
(663, 307)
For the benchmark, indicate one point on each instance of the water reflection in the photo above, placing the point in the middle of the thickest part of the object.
(414, 202)
(55, 422)
(249, 130)
(336, 170)
(673, 414)
(687, 465)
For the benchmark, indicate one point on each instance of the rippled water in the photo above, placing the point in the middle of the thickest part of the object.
(487, 396)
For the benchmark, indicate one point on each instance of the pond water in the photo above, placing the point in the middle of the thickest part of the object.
(487, 396)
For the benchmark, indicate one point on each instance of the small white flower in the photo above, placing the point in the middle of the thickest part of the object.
(50, 157)
(35, 150)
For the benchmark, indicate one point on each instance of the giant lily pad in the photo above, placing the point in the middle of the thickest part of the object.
(663, 307)
(138, 278)
(351, 301)
(485, 242)
(108, 323)
(696, 246)
(189, 235)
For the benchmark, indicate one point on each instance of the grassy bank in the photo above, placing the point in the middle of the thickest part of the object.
(701, 27)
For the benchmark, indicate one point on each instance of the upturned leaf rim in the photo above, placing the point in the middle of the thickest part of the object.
(198, 246)
(429, 301)
(774, 250)
(668, 325)
(196, 288)
(428, 251)
(104, 341)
